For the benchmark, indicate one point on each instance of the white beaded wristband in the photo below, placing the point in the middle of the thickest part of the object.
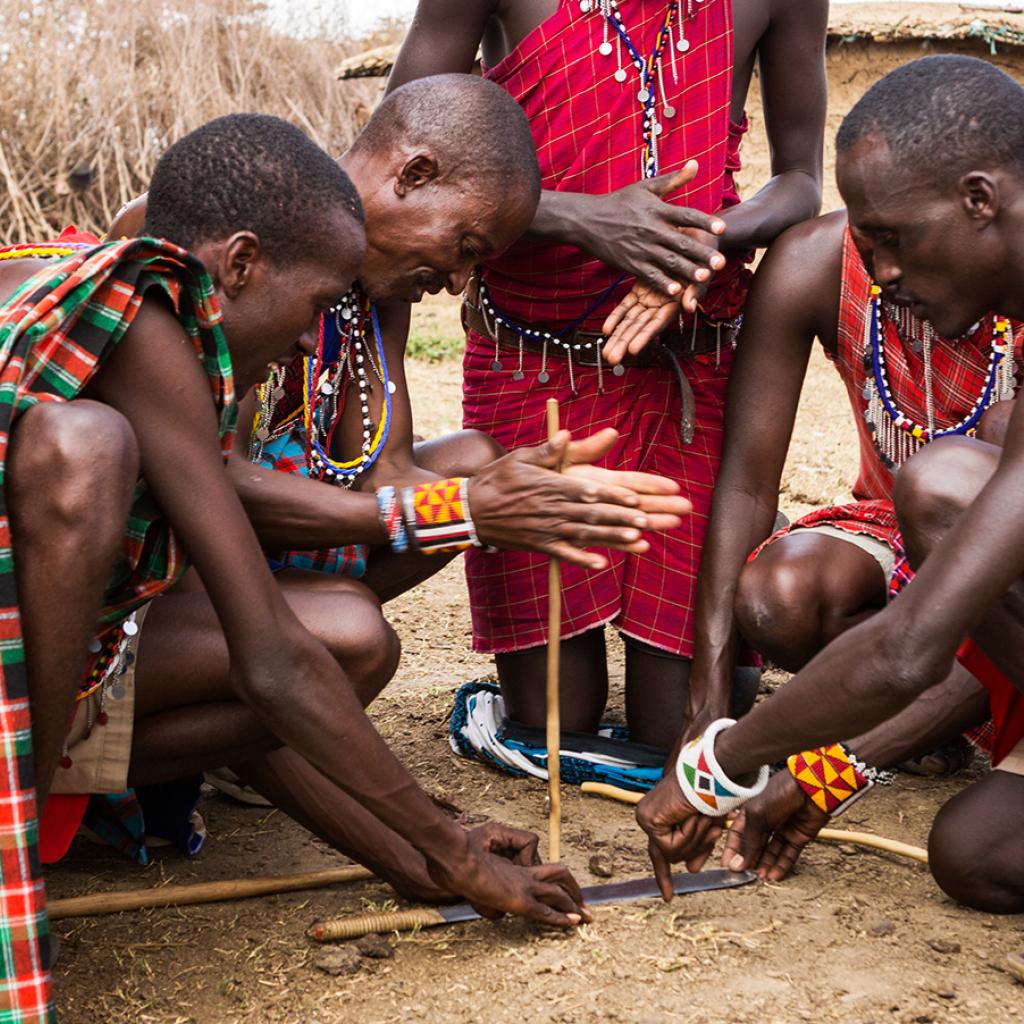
(702, 780)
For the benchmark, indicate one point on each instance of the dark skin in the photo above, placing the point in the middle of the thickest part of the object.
(671, 250)
(951, 250)
(423, 233)
(277, 669)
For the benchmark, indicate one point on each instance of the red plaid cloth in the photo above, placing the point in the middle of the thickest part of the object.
(649, 597)
(588, 132)
(959, 372)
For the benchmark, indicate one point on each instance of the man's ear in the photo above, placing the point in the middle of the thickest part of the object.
(980, 196)
(236, 262)
(420, 170)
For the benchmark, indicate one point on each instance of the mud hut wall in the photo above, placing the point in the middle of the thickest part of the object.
(853, 67)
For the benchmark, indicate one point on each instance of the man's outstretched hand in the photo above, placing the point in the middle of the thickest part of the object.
(676, 831)
(663, 245)
(522, 502)
(771, 831)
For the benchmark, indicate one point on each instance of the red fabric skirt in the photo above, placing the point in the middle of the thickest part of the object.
(875, 518)
(649, 597)
(1005, 700)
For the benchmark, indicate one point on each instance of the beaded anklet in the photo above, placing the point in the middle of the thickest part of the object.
(834, 778)
(702, 780)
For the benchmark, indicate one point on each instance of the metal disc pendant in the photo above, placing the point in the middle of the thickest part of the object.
(392, 387)
(643, 95)
(683, 45)
(543, 376)
(327, 388)
(618, 370)
(262, 434)
(131, 627)
(116, 691)
(346, 314)
(496, 365)
(656, 128)
(620, 75)
(585, 6)
(669, 111)
(518, 375)
(605, 49)
(917, 345)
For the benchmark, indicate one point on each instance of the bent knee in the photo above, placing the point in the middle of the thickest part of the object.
(973, 853)
(777, 605)
(73, 452)
(364, 644)
(940, 481)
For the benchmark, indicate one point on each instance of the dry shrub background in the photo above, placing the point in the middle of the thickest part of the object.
(91, 94)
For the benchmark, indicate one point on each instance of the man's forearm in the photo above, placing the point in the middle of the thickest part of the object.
(789, 198)
(740, 520)
(940, 714)
(291, 511)
(853, 686)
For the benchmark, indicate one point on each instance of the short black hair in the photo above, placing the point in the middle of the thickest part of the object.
(943, 116)
(479, 133)
(247, 172)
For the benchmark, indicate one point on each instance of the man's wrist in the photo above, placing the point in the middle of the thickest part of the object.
(560, 218)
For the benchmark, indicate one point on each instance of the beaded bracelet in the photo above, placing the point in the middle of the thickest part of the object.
(391, 519)
(702, 780)
(437, 516)
(834, 778)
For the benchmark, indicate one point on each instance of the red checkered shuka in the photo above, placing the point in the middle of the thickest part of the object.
(589, 136)
(959, 372)
(649, 597)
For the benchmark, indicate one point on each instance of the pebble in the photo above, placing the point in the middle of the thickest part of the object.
(943, 945)
(881, 928)
(343, 960)
(601, 865)
(376, 947)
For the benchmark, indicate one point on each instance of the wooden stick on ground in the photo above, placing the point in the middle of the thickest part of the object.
(204, 892)
(554, 725)
(829, 835)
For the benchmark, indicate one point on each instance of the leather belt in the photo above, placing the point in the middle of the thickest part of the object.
(583, 348)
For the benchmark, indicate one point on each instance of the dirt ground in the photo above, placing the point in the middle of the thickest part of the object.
(854, 937)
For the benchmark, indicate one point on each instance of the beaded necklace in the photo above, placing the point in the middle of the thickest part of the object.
(896, 435)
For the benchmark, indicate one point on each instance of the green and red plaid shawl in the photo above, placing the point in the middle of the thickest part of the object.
(55, 332)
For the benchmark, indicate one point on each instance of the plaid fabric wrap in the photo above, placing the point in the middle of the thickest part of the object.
(588, 132)
(55, 332)
(649, 597)
(959, 370)
(287, 454)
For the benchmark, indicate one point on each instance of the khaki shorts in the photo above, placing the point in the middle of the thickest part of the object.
(1014, 761)
(101, 754)
(877, 549)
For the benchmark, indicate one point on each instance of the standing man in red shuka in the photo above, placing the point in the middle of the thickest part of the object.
(637, 112)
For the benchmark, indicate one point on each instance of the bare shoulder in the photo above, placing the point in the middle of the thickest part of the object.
(814, 244)
(802, 272)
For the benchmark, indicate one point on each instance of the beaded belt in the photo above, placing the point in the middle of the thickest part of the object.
(583, 348)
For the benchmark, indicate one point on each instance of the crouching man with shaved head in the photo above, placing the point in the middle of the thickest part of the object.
(930, 166)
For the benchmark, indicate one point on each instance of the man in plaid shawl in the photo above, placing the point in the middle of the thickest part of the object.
(616, 93)
(110, 440)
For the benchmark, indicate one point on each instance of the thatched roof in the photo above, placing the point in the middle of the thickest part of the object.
(895, 22)
(882, 22)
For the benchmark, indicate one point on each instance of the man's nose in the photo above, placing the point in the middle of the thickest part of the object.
(457, 280)
(887, 271)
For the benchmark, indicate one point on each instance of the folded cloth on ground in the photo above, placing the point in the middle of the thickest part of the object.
(479, 730)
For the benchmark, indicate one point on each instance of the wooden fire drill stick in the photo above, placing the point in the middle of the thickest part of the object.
(554, 725)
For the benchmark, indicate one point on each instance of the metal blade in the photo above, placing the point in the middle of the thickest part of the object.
(683, 882)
